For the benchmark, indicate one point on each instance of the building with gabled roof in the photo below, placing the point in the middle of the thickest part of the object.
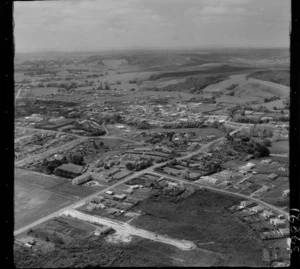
(69, 170)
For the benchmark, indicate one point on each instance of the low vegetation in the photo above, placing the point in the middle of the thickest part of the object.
(281, 76)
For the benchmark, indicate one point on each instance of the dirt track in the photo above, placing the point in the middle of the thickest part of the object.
(128, 229)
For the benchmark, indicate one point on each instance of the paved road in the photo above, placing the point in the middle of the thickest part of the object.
(151, 171)
(82, 201)
(128, 229)
(79, 202)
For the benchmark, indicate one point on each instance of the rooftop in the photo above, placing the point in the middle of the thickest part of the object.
(70, 167)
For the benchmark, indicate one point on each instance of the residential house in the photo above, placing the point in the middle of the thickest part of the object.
(247, 203)
(266, 161)
(278, 222)
(286, 193)
(209, 179)
(272, 176)
(119, 197)
(257, 208)
(267, 214)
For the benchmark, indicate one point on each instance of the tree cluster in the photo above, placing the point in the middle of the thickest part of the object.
(247, 144)
(140, 164)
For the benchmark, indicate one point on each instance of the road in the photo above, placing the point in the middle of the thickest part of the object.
(151, 171)
(128, 229)
(18, 93)
(60, 148)
(80, 202)
(22, 88)
(274, 208)
(106, 131)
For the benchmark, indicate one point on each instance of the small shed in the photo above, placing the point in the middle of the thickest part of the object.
(109, 192)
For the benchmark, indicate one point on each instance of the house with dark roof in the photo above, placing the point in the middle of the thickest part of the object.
(69, 170)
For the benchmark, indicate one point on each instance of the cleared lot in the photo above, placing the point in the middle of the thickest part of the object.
(33, 203)
(202, 218)
(37, 195)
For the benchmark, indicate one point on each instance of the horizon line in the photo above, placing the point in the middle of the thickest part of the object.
(116, 49)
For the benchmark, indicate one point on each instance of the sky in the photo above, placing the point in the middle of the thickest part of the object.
(71, 25)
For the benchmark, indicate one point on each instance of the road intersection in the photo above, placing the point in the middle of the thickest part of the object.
(151, 170)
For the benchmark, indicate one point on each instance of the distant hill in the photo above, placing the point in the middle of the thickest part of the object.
(192, 84)
(213, 70)
(277, 76)
(259, 90)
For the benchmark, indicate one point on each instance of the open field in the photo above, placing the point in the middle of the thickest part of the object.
(33, 203)
(36, 179)
(279, 147)
(275, 196)
(279, 104)
(37, 195)
(254, 90)
(41, 91)
(202, 218)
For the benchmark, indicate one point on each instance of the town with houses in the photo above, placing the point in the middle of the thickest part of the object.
(152, 158)
(121, 152)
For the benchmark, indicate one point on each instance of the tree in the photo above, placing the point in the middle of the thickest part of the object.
(267, 143)
(261, 151)
(76, 159)
(129, 166)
